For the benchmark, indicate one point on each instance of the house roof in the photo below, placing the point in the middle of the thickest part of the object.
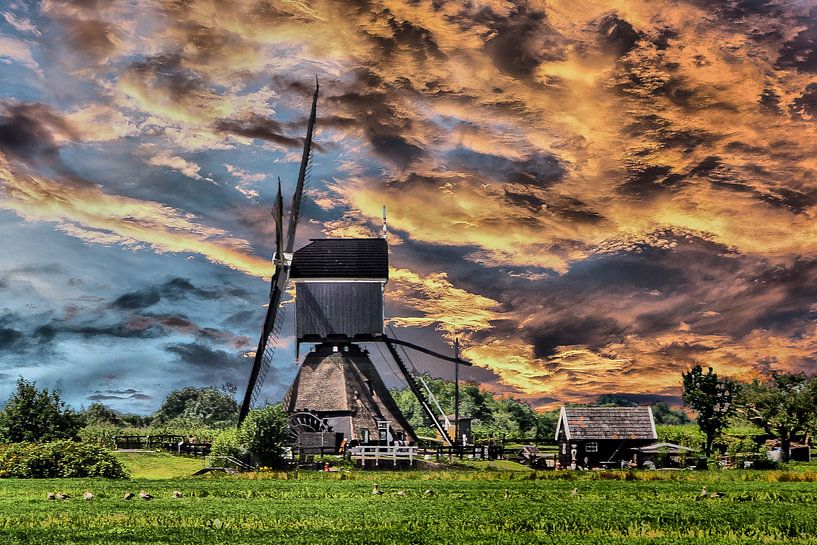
(607, 423)
(342, 258)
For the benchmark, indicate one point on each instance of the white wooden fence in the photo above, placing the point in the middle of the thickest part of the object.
(379, 453)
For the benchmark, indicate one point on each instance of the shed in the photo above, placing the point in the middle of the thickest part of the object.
(339, 287)
(662, 455)
(464, 429)
(600, 436)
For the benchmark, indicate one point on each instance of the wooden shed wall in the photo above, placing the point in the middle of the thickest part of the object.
(324, 309)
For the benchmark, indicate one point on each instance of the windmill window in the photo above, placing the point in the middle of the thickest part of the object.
(364, 435)
(591, 447)
(383, 430)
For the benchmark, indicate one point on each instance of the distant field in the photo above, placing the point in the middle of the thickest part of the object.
(158, 465)
(470, 507)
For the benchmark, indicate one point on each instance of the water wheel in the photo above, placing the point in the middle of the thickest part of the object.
(304, 421)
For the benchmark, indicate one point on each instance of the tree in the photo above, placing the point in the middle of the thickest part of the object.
(199, 407)
(665, 415)
(546, 425)
(712, 398)
(37, 415)
(264, 434)
(492, 417)
(98, 413)
(615, 400)
(782, 405)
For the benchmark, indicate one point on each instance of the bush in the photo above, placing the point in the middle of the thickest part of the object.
(104, 435)
(264, 434)
(58, 459)
(226, 443)
(100, 435)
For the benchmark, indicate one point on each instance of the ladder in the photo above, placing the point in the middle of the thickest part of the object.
(416, 390)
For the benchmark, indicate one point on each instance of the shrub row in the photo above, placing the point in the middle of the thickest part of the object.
(58, 459)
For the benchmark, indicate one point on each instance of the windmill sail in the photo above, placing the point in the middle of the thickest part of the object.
(303, 173)
(283, 252)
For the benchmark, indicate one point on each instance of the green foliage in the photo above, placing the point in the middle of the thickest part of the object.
(99, 414)
(688, 435)
(194, 407)
(664, 414)
(36, 415)
(58, 459)
(615, 400)
(264, 434)
(661, 412)
(101, 435)
(740, 449)
(227, 443)
(493, 417)
(783, 405)
(712, 399)
(104, 435)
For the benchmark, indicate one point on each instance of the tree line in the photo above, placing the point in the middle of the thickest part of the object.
(784, 405)
(505, 417)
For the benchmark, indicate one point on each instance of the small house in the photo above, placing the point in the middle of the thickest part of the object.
(602, 436)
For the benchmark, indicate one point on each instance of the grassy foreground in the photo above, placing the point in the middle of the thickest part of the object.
(473, 507)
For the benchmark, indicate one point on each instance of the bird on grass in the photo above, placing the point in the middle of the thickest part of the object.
(574, 493)
(703, 493)
(128, 496)
(376, 490)
(177, 494)
(507, 494)
(87, 495)
(429, 492)
(717, 495)
(145, 496)
(51, 496)
(62, 496)
(401, 492)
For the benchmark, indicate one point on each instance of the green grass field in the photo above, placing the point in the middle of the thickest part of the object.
(468, 506)
(158, 465)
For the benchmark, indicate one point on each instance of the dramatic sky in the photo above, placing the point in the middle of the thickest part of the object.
(592, 195)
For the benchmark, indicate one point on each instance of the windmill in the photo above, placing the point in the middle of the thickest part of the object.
(338, 394)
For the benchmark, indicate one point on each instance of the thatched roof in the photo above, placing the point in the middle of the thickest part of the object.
(342, 258)
(344, 385)
(607, 423)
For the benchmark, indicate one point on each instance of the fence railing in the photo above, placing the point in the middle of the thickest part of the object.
(171, 443)
(378, 453)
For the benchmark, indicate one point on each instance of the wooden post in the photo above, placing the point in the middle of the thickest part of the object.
(457, 395)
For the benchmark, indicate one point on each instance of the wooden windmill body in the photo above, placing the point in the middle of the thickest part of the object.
(339, 285)
(338, 396)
